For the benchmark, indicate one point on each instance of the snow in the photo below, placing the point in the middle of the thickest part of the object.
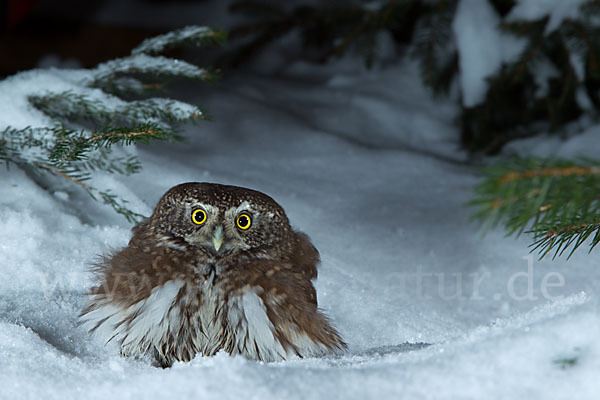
(557, 11)
(14, 91)
(367, 164)
(482, 47)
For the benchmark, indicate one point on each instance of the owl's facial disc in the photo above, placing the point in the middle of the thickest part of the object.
(213, 239)
(217, 231)
(221, 240)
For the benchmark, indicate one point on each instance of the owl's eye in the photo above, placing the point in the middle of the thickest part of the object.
(243, 221)
(198, 216)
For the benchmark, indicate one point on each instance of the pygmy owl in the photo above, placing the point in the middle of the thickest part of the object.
(214, 268)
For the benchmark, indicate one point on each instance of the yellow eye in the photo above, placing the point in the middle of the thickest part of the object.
(243, 221)
(198, 216)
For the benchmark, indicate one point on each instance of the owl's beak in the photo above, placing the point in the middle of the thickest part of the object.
(217, 237)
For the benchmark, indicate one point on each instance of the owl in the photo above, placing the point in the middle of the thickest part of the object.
(214, 268)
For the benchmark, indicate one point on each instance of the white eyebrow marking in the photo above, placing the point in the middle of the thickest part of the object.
(245, 206)
(207, 207)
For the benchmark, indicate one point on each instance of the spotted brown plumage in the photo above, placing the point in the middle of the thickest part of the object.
(214, 268)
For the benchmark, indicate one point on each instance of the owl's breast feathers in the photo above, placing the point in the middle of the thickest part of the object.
(158, 300)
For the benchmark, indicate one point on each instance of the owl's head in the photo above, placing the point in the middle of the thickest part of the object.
(221, 220)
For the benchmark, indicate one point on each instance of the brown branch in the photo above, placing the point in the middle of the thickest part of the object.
(571, 227)
(545, 172)
(58, 172)
(123, 134)
(153, 86)
(496, 203)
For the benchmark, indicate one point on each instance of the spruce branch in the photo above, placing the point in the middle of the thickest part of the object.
(537, 92)
(74, 162)
(534, 32)
(118, 204)
(188, 36)
(433, 45)
(332, 29)
(72, 176)
(90, 119)
(143, 64)
(114, 76)
(557, 201)
(108, 110)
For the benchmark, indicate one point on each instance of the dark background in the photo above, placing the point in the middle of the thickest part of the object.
(87, 31)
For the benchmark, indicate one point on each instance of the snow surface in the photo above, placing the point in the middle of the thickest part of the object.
(367, 164)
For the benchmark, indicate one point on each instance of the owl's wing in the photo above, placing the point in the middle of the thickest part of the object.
(298, 323)
(305, 257)
(134, 300)
(140, 327)
(284, 307)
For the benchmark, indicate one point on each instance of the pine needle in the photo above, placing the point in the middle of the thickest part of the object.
(557, 201)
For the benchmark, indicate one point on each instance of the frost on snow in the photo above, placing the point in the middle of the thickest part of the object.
(195, 34)
(145, 64)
